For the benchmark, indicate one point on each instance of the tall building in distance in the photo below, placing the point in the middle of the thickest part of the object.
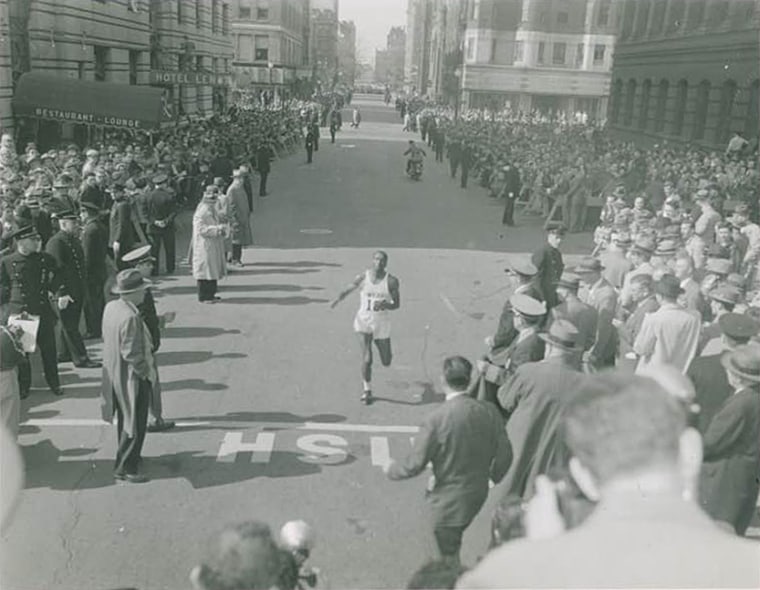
(539, 54)
(323, 32)
(687, 71)
(271, 44)
(389, 62)
(419, 25)
(347, 52)
(445, 48)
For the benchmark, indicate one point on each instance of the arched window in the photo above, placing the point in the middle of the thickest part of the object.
(753, 117)
(662, 103)
(680, 109)
(727, 97)
(646, 90)
(630, 96)
(700, 109)
(617, 97)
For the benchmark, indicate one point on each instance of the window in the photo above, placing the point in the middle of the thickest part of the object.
(198, 19)
(541, 50)
(658, 18)
(579, 56)
(617, 97)
(646, 90)
(562, 17)
(244, 11)
(262, 48)
(183, 62)
(519, 50)
(727, 98)
(214, 15)
(680, 111)
(134, 60)
(101, 63)
(198, 63)
(470, 48)
(179, 11)
(245, 48)
(630, 97)
(493, 50)
(629, 14)
(262, 10)
(700, 110)
(215, 64)
(642, 17)
(225, 19)
(662, 103)
(155, 59)
(599, 54)
(603, 16)
(558, 53)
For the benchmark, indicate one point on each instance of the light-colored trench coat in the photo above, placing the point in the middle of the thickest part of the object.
(126, 360)
(208, 243)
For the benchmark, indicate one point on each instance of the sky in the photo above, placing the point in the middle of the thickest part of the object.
(373, 19)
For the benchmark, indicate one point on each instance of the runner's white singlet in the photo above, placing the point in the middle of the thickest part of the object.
(367, 320)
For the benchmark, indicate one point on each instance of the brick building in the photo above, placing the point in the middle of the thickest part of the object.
(686, 71)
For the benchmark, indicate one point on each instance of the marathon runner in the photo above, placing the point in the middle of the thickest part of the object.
(379, 294)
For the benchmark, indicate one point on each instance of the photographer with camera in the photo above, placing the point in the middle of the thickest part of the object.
(634, 455)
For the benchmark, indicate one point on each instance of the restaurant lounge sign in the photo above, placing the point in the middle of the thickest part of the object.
(86, 118)
(189, 78)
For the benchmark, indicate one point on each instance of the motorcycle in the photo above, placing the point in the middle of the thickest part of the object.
(415, 170)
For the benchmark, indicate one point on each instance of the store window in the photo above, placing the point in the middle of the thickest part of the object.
(244, 10)
(262, 10)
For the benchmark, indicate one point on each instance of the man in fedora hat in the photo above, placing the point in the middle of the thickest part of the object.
(723, 300)
(707, 372)
(533, 399)
(729, 482)
(671, 334)
(603, 298)
(692, 298)
(640, 255)
(27, 277)
(129, 372)
(241, 224)
(140, 259)
(642, 291)
(66, 248)
(582, 315)
(94, 248)
(548, 261)
(615, 260)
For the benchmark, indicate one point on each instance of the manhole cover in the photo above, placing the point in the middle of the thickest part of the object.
(316, 231)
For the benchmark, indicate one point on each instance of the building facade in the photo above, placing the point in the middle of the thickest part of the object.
(323, 32)
(6, 78)
(347, 52)
(419, 25)
(686, 71)
(271, 50)
(539, 54)
(182, 46)
(389, 62)
(445, 49)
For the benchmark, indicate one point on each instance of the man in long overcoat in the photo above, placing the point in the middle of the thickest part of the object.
(240, 217)
(207, 246)
(129, 372)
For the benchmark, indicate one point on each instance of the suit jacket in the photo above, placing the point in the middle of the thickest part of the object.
(632, 541)
(581, 315)
(627, 332)
(94, 245)
(533, 399)
(67, 251)
(264, 157)
(711, 386)
(120, 228)
(527, 347)
(127, 360)
(731, 470)
(603, 298)
(464, 439)
(548, 261)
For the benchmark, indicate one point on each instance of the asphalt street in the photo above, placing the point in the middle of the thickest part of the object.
(265, 385)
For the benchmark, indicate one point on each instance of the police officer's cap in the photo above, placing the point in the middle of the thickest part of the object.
(527, 306)
(25, 231)
(522, 267)
(738, 326)
(160, 178)
(137, 255)
(66, 214)
(556, 228)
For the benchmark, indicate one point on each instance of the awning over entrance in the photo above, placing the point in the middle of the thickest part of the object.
(56, 98)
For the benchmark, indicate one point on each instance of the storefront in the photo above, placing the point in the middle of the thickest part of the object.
(51, 109)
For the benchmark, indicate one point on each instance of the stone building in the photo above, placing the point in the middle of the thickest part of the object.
(686, 71)
(539, 54)
(347, 52)
(389, 62)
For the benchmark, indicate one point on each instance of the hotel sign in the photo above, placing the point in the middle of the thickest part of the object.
(190, 78)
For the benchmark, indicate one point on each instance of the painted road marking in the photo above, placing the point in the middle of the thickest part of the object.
(380, 451)
(447, 302)
(260, 449)
(359, 427)
(318, 453)
(316, 231)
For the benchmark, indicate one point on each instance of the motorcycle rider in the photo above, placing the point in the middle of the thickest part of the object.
(415, 154)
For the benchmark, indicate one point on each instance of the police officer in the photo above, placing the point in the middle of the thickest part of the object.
(548, 261)
(27, 276)
(94, 246)
(161, 213)
(66, 249)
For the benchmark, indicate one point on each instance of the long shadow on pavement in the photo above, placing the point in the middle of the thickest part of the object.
(191, 289)
(294, 300)
(189, 357)
(192, 384)
(275, 417)
(295, 264)
(195, 332)
(47, 470)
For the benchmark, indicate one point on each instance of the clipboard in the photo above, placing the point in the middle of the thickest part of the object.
(30, 324)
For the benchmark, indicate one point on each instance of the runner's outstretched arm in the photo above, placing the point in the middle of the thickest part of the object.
(347, 291)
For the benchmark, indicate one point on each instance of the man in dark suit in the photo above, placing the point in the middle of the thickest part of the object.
(161, 213)
(464, 440)
(67, 251)
(642, 291)
(602, 297)
(510, 192)
(465, 159)
(314, 128)
(533, 399)
(27, 277)
(729, 482)
(548, 262)
(264, 157)
(455, 155)
(121, 232)
(580, 314)
(94, 247)
(707, 372)
(309, 145)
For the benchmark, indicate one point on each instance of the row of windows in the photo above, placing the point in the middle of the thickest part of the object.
(246, 10)
(219, 19)
(561, 17)
(559, 53)
(624, 110)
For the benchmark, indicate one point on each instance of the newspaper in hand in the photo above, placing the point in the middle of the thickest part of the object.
(30, 324)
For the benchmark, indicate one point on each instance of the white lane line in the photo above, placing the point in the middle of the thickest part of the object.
(358, 427)
(380, 451)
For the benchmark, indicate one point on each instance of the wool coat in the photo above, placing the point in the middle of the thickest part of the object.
(208, 244)
(241, 232)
